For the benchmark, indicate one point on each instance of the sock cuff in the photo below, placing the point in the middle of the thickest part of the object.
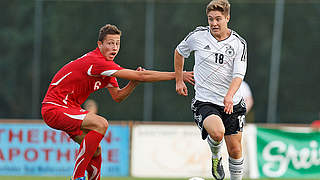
(213, 142)
(99, 135)
(236, 161)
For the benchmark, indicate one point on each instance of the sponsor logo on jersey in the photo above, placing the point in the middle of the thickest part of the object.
(207, 47)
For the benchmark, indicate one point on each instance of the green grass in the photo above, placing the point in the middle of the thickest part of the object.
(111, 178)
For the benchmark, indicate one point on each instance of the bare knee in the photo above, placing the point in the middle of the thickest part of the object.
(235, 152)
(95, 122)
(215, 128)
(217, 136)
(102, 125)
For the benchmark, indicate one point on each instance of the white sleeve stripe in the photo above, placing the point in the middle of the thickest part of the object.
(108, 72)
(89, 71)
(56, 83)
(55, 104)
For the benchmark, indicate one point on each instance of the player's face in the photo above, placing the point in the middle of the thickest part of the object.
(218, 23)
(110, 46)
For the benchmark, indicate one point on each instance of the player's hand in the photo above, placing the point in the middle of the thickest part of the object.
(138, 69)
(188, 77)
(181, 88)
(228, 104)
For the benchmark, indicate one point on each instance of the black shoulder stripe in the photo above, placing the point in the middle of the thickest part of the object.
(243, 42)
(244, 51)
(199, 28)
(239, 37)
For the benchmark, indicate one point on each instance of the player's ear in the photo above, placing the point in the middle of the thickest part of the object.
(99, 43)
(228, 18)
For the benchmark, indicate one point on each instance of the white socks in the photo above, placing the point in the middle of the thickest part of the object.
(236, 168)
(215, 147)
(235, 165)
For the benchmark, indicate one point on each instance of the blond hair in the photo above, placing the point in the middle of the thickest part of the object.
(219, 5)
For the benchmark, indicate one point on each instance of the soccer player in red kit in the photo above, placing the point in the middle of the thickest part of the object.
(73, 83)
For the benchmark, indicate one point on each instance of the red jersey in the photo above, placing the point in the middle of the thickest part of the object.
(74, 82)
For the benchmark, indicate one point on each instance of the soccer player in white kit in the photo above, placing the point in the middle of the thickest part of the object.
(220, 66)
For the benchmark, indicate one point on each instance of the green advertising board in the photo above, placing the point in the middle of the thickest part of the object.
(288, 153)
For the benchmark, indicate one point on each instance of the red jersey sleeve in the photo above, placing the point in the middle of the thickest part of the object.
(104, 68)
(112, 82)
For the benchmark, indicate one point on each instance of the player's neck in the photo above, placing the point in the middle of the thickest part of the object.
(223, 35)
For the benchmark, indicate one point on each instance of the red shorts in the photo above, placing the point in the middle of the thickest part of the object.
(68, 119)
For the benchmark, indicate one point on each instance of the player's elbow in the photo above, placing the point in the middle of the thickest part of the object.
(118, 99)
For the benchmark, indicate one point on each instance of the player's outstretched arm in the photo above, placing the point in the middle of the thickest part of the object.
(144, 76)
(181, 88)
(150, 76)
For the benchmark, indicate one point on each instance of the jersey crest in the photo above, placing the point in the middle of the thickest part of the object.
(229, 51)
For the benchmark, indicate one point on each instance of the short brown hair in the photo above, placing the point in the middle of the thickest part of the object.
(108, 29)
(219, 5)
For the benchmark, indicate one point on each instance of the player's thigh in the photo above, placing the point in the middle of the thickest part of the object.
(68, 120)
(234, 145)
(207, 117)
(94, 122)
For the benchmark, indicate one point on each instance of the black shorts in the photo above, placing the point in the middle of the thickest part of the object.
(233, 123)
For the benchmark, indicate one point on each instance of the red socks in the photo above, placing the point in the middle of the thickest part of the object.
(88, 147)
(94, 168)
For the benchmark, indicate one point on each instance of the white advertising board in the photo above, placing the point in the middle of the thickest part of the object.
(171, 151)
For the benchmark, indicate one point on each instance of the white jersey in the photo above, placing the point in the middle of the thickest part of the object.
(216, 63)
